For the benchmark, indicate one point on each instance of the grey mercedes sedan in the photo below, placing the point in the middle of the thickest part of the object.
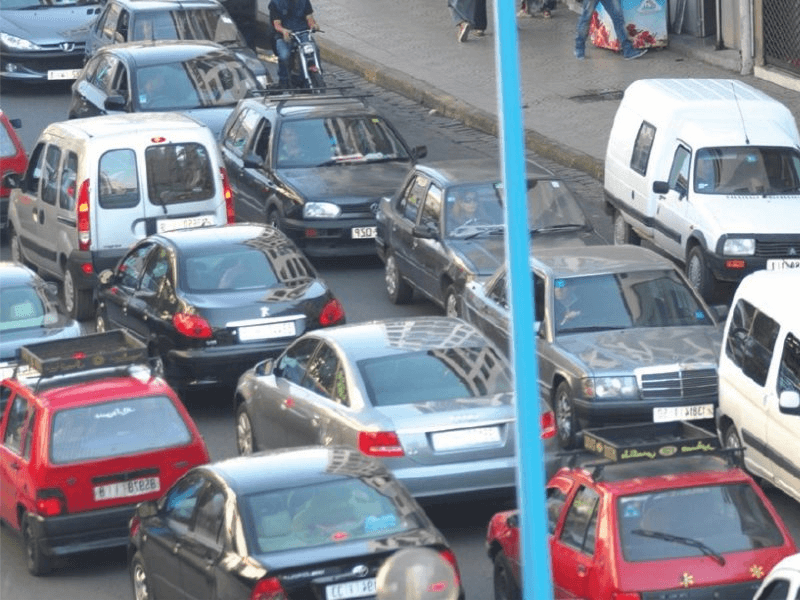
(430, 396)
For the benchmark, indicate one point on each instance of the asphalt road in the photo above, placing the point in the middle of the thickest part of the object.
(359, 285)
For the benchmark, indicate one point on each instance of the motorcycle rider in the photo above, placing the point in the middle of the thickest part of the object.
(288, 16)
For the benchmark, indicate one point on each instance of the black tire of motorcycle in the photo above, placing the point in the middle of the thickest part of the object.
(317, 80)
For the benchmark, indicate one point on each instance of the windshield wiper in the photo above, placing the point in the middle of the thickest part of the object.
(481, 229)
(682, 540)
(558, 227)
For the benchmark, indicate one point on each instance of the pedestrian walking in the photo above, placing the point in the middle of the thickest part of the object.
(614, 10)
(464, 16)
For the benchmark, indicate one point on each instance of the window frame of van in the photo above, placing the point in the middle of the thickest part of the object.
(679, 173)
(642, 147)
(751, 333)
(790, 353)
(103, 200)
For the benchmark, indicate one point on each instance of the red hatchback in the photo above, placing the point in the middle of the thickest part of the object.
(666, 517)
(87, 433)
(12, 160)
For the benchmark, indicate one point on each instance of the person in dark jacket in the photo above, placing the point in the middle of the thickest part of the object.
(288, 16)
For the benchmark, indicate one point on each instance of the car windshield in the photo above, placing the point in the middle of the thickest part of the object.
(187, 24)
(657, 298)
(345, 140)
(32, 4)
(322, 514)
(116, 428)
(747, 170)
(223, 270)
(21, 307)
(440, 374)
(212, 79)
(708, 520)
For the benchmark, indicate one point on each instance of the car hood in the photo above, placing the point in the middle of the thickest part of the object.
(347, 181)
(10, 341)
(629, 349)
(50, 25)
(752, 214)
(213, 117)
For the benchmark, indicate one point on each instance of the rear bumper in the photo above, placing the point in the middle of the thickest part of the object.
(82, 532)
(221, 365)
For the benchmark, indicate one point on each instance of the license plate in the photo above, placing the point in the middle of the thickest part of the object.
(267, 331)
(663, 414)
(350, 589)
(127, 489)
(364, 233)
(778, 264)
(465, 438)
(165, 225)
(62, 74)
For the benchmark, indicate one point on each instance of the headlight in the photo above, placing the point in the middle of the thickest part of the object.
(739, 247)
(610, 387)
(321, 210)
(13, 42)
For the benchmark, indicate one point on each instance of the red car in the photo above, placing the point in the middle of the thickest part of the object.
(87, 436)
(12, 160)
(664, 515)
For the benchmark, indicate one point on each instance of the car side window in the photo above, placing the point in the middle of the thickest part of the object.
(498, 291)
(181, 500)
(412, 198)
(156, 271)
(292, 365)
(210, 512)
(581, 521)
(50, 174)
(15, 427)
(130, 269)
(121, 34)
(679, 173)
(34, 172)
(432, 209)
(105, 72)
(556, 498)
(789, 369)
(69, 174)
(110, 23)
(118, 179)
(751, 340)
(321, 373)
(642, 147)
(261, 143)
(538, 297)
(777, 590)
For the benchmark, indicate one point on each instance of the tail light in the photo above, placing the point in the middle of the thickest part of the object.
(227, 193)
(450, 557)
(50, 502)
(193, 326)
(134, 526)
(84, 235)
(331, 313)
(379, 443)
(268, 589)
(548, 425)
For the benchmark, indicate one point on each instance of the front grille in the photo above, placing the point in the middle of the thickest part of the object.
(737, 591)
(680, 384)
(362, 208)
(778, 248)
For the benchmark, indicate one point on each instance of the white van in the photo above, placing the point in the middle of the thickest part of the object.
(759, 377)
(708, 170)
(94, 186)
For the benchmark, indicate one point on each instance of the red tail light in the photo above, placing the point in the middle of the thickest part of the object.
(332, 313)
(50, 502)
(193, 326)
(134, 526)
(379, 443)
(84, 235)
(227, 193)
(450, 557)
(548, 425)
(268, 589)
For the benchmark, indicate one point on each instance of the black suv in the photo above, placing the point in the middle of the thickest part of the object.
(316, 167)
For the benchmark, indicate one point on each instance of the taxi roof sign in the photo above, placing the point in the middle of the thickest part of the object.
(649, 441)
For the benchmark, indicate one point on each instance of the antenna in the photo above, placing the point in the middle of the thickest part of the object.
(741, 116)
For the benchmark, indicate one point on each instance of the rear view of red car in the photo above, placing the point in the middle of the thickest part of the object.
(12, 160)
(85, 437)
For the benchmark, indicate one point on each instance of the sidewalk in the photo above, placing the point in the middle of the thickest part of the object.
(410, 47)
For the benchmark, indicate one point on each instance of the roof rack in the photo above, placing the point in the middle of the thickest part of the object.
(302, 98)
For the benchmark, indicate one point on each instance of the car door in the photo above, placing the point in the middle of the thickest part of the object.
(673, 208)
(247, 140)
(102, 32)
(91, 90)
(488, 310)
(202, 546)
(328, 403)
(401, 237)
(428, 254)
(15, 454)
(26, 206)
(782, 428)
(47, 235)
(152, 304)
(117, 296)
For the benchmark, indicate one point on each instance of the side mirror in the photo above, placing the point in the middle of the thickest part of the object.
(12, 180)
(115, 102)
(265, 367)
(147, 509)
(789, 403)
(721, 311)
(253, 161)
(424, 232)
(660, 187)
(419, 152)
(16, 123)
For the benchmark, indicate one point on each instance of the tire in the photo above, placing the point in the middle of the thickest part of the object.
(452, 303)
(400, 292)
(623, 232)
(274, 218)
(139, 579)
(317, 80)
(16, 249)
(78, 303)
(505, 588)
(731, 437)
(38, 564)
(698, 273)
(245, 440)
(566, 421)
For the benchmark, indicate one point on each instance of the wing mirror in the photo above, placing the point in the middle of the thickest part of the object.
(424, 232)
(115, 102)
(12, 180)
(789, 403)
(252, 161)
(660, 187)
(419, 152)
(105, 276)
(265, 367)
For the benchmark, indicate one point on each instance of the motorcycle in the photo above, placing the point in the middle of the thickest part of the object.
(305, 66)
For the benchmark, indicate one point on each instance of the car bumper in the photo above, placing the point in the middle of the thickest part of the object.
(597, 414)
(83, 532)
(776, 247)
(221, 365)
(325, 238)
(35, 66)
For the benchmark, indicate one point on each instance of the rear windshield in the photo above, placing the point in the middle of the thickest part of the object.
(21, 307)
(116, 429)
(440, 374)
(711, 519)
(228, 269)
(178, 173)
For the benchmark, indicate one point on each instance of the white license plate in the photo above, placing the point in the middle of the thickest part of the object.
(165, 225)
(127, 489)
(63, 74)
(663, 414)
(778, 264)
(267, 331)
(465, 438)
(364, 233)
(350, 589)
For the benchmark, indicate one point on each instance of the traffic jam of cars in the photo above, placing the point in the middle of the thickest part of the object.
(134, 282)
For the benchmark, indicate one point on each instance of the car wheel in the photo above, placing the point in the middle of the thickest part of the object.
(623, 232)
(698, 273)
(731, 438)
(505, 588)
(566, 421)
(78, 303)
(16, 249)
(245, 442)
(452, 306)
(399, 290)
(317, 81)
(38, 563)
(274, 218)
(141, 584)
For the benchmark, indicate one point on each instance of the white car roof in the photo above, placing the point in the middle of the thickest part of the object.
(774, 292)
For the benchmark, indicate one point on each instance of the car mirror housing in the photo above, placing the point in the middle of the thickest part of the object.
(721, 311)
(789, 403)
(148, 509)
(424, 232)
(660, 187)
(12, 180)
(265, 367)
(115, 102)
(105, 276)
(419, 152)
(252, 161)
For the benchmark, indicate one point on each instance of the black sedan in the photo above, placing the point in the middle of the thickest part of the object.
(446, 226)
(306, 523)
(202, 79)
(211, 302)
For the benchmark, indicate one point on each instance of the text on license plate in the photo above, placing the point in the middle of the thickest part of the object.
(267, 331)
(364, 233)
(350, 589)
(126, 489)
(64, 74)
(778, 264)
(465, 438)
(663, 414)
(165, 225)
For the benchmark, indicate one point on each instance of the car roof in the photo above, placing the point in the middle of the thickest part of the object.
(148, 5)
(305, 106)
(472, 170)
(595, 260)
(13, 273)
(775, 293)
(188, 240)
(293, 467)
(164, 51)
(121, 124)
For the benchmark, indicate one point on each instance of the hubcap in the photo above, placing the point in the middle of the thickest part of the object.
(619, 230)
(564, 412)
(694, 272)
(244, 434)
(732, 440)
(451, 306)
(99, 325)
(16, 254)
(391, 276)
(140, 583)
(69, 292)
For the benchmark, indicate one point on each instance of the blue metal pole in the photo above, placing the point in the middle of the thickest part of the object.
(537, 583)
